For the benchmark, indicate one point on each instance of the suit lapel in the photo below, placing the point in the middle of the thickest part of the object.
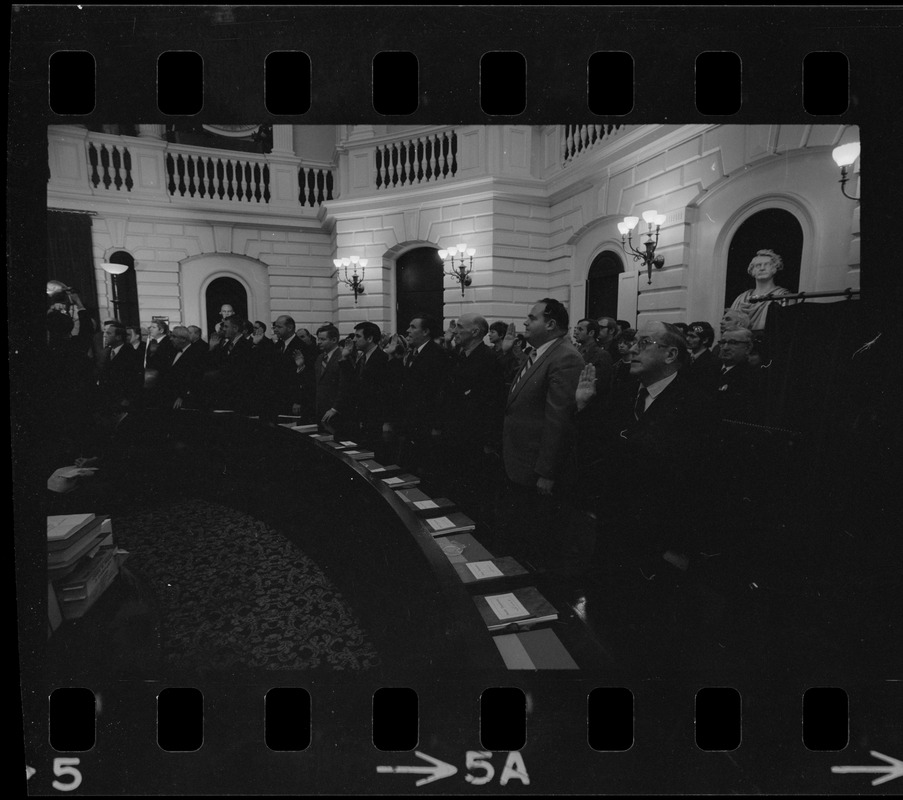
(523, 378)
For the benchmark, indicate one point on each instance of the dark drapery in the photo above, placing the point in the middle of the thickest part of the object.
(70, 256)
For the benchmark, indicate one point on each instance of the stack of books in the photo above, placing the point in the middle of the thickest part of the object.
(404, 481)
(516, 610)
(358, 455)
(81, 562)
(377, 469)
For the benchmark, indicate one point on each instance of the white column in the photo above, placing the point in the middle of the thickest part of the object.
(151, 131)
(283, 140)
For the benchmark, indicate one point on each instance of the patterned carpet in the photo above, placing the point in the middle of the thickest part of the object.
(234, 594)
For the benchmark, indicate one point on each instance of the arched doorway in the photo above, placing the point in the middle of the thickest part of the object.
(769, 229)
(418, 285)
(125, 290)
(602, 285)
(225, 290)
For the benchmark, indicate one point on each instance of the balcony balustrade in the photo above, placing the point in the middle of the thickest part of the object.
(122, 165)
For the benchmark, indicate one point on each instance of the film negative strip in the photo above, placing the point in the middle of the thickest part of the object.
(291, 621)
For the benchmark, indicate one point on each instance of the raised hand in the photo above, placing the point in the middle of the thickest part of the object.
(586, 386)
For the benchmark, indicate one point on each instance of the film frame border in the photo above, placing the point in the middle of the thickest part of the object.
(660, 94)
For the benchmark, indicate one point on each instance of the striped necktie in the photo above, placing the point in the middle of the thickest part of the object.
(523, 371)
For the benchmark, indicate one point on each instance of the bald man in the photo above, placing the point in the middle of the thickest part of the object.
(738, 383)
(473, 405)
(651, 430)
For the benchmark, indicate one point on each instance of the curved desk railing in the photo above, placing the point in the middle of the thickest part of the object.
(395, 575)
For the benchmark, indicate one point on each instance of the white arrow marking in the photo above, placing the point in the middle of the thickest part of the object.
(893, 770)
(29, 771)
(436, 772)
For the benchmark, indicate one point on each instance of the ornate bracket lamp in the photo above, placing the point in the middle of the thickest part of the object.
(459, 270)
(354, 282)
(844, 156)
(647, 256)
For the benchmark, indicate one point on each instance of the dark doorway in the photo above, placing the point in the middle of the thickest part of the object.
(771, 229)
(125, 290)
(602, 285)
(418, 285)
(225, 290)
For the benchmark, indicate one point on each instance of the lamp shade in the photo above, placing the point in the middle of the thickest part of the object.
(631, 222)
(649, 217)
(114, 269)
(846, 154)
(55, 286)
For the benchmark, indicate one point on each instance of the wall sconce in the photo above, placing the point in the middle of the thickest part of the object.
(647, 255)
(459, 270)
(844, 156)
(354, 282)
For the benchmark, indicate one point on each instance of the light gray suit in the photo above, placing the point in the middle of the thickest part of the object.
(539, 415)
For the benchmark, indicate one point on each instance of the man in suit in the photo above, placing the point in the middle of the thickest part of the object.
(425, 370)
(286, 378)
(538, 433)
(737, 384)
(120, 378)
(609, 330)
(196, 336)
(702, 366)
(327, 373)
(158, 355)
(586, 332)
(183, 380)
(651, 432)
(473, 405)
(136, 340)
(231, 357)
(370, 382)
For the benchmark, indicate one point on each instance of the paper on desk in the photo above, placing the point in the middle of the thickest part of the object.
(507, 606)
(440, 523)
(390, 481)
(423, 504)
(484, 569)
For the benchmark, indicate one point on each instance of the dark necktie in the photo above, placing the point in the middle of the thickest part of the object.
(411, 356)
(639, 407)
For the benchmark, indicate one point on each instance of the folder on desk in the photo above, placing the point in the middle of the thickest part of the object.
(433, 507)
(505, 567)
(322, 437)
(539, 649)
(520, 608)
(404, 481)
(358, 455)
(455, 522)
(304, 428)
(459, 548)
(375, 468)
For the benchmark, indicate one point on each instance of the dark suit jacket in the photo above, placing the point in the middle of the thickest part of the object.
(121, 379)
(363, 395)
(421, 391)
(648, 489)
(158, 355)
(739, 393)
(327, 382)
(538, 431)
(474, 401)
(705, 370)
(286, 381)
(184, 377)
(235, 366)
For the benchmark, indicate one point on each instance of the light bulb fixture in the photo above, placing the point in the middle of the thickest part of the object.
(654, 222)
(114, 269)
(459, 269)
(354, 281)
(844, 156)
